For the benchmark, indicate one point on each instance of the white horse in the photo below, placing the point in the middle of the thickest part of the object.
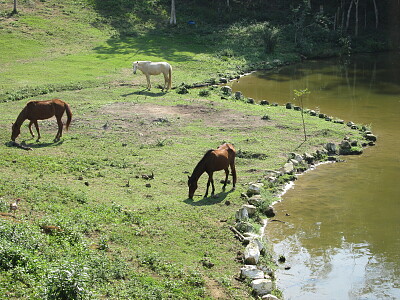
(154, 68)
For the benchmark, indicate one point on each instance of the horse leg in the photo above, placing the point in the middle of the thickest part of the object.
(226, 178)
(210, 180)
(208, 185)
(212, 185)
(60, 127)
(37, 129)
(165, 81)
(148, 82)
(30, 128)
(233, 169)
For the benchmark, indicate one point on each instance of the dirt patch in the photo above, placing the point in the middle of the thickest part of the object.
(215, 290)
(210, 113)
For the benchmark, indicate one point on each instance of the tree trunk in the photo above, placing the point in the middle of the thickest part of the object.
(348, 14)
(356, 26)
(342, 17)
(15, 8)
(376, 14)
(365, 18)
(172, 20)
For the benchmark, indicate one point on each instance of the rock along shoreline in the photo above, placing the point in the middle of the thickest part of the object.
(258, 210)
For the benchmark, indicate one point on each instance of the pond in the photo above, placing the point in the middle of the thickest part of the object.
(340, 234)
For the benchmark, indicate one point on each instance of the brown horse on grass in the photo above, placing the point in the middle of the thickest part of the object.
(41, 110)
(214, 160)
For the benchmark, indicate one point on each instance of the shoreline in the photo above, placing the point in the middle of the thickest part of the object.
(254, 243)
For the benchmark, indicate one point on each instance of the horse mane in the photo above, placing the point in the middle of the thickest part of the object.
(22, 116)
(205, 156)
(201, 162)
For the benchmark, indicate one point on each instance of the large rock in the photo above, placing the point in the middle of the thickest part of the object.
(243, 227)
(242, 214)
(289, 105)
(255, 200)
(269, 211)
(254, 189)
(272, 179)
(308, 158)
(262, 286)
(238, 95)
(252, 253)
(288, 168)
(251, 272)
(269, 297)
(370, 137)
(226, 90)
(261, 246)
(345, 145)
(330, 147)
(296, 156)
(251, 209)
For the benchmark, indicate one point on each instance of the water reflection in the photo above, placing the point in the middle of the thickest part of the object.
(341, 237)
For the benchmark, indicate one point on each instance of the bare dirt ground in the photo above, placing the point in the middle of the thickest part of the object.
(142, 115)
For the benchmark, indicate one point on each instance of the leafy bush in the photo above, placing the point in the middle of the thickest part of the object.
(12, 257)
(68, 282)
(204, 93)
(3, 205)
(227, 52)
(270, 38)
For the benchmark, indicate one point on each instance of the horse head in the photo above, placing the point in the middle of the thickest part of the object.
(16, 130)
(135, 66)
(192, 184)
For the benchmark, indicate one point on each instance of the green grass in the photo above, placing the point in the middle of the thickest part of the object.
(157, 234)
(119, 237)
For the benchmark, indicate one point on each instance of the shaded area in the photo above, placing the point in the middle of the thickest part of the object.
(217, 198)
(166, 47)
(366, 70)
(145, 93)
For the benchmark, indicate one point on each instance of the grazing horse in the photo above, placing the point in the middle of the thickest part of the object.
(41, 110)
(154, 68)
(214, 160)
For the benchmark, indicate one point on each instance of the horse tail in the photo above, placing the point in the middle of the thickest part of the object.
(170, 77)
(69, 115)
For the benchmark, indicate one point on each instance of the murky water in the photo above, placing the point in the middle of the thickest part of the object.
(342, 236)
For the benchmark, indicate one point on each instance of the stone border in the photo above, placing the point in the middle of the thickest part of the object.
(260, 278)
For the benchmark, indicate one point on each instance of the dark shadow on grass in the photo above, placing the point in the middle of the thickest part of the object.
(39, 145)
(218, 198)
(146, 93)
(30, 146)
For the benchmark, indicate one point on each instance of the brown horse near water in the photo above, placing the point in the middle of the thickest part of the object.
(214, 160)
(41, 110)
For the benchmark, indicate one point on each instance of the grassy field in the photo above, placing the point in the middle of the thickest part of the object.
(118, 235)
